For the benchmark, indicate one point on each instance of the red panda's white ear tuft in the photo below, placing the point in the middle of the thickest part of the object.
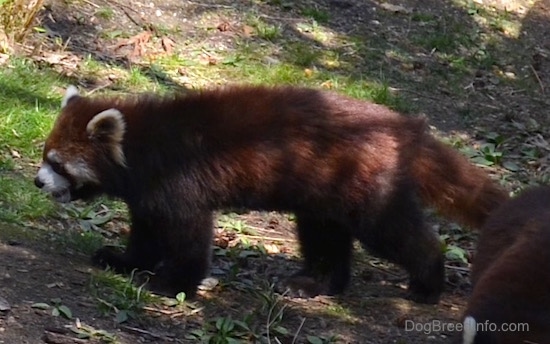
(70, 93)
(108, 127)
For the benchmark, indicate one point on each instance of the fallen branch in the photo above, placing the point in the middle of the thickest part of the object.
(57, 338)
(537, 77)
(149, 333)
(457, 268)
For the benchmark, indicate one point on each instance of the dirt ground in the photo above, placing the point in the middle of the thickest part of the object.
(36, 268)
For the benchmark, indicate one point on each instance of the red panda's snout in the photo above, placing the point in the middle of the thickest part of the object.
(58, 186)
(62, 177)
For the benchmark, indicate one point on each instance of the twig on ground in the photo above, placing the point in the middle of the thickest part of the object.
(209, 5)
(537, 77)
(57, 338)
(457, 268)
(149, 333)
(298, 331)
(415, 93)
(91, 3)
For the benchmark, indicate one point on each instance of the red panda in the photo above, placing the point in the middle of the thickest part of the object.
(510, 301)
(348, 169)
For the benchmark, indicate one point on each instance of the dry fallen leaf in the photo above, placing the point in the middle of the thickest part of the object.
(4, 58)
(248, 31)
(272, 249)
(395, 8)
(138, 41)
(327, 84)
(224, 26)
(168, 44)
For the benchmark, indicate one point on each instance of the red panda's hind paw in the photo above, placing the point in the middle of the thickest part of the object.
(423, 295)
(303, 285)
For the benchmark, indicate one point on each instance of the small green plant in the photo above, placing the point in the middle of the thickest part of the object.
(268, 32)
(451, 251)
(489, 152)
(90, 217)
(227, 222)
(58, 309)
(87, 332)
(178, 301)
(222, 330)
(272, 310)
(118, 294)
(456, 253)
(322, 340)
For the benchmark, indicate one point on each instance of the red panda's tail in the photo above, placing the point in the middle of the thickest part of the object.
(454, 186)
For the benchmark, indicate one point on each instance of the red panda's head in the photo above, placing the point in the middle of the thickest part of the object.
(85, 140)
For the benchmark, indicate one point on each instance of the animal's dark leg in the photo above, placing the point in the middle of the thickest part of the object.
(326, 247)
(186, 248)
(400, 235)
(143, 250)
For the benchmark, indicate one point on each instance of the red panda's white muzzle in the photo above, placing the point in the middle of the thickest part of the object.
(53, 183)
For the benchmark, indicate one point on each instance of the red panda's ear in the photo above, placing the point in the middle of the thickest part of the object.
(108, 127)
(70, 93)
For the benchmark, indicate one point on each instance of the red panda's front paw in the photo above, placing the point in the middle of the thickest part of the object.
(109, 256)
(422, 293)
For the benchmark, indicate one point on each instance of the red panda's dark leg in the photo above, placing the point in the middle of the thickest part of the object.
(326, 247)
(186, 245)
(176, 249)
(143, 250)
(399, 235)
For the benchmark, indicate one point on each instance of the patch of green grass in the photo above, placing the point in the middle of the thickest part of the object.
(118, 295)
(29, 106)
(320, 16)
(268, 32)
(264, 30)
(86, 242)
(339, 311)
(378, 92)
(423, 17)
(106, 13)
(15, 233)
(260, 324)
(302, 55)
(445, 36)
(113, 34)
(21, 200)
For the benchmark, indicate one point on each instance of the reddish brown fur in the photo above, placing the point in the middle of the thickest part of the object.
(511, 273)
(456, 189)
(347, 168)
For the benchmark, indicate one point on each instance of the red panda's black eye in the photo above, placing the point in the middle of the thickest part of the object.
(57, 167)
